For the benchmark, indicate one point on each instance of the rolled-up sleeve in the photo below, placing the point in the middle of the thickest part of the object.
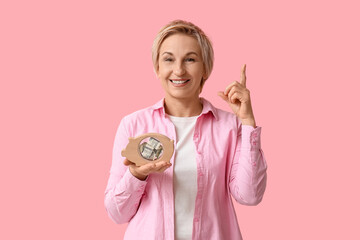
(248, 174)
(123, 191)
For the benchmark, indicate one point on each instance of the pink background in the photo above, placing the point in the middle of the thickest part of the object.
(70, 70)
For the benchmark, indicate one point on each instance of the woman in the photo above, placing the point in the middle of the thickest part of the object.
(217, 153)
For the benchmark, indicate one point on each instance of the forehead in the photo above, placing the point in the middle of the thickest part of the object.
(180, 43)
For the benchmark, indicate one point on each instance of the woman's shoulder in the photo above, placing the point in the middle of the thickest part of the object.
(138, 114)
(223, 117)
(142, 113)
(223, 114)
(228, 119)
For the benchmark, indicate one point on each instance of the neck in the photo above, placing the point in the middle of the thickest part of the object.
(183, 107)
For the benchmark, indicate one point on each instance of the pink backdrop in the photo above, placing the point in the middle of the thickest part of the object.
(70, 70)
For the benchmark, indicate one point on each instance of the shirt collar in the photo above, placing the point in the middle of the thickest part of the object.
(207, 107)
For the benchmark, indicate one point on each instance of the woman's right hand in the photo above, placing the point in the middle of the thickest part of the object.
(143, 171)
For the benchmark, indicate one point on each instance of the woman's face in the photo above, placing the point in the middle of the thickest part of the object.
(180, 67)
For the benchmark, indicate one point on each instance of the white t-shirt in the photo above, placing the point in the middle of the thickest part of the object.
(185, 176)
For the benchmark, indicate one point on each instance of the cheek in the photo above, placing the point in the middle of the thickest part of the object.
(163, 71)
(196, 69)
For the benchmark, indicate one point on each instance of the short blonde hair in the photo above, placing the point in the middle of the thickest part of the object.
(188, 28)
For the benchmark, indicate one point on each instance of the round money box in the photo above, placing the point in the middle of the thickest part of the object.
(149, 147)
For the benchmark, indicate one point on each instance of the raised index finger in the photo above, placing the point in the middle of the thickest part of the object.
(243, 75)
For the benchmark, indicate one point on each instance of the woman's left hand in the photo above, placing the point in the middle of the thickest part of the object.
(238, 98)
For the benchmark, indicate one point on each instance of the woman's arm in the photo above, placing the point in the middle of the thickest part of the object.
(248, 171)
(124, 191)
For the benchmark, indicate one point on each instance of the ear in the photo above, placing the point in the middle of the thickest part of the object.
(156, 72)
(205, 76)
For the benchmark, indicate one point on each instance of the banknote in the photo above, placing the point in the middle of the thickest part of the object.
(152, 149)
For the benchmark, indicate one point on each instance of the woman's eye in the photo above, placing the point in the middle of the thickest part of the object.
(188, 59)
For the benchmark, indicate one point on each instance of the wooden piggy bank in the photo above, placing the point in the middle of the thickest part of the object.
(149, 147)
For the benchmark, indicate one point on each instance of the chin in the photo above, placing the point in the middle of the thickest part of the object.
(183, 96)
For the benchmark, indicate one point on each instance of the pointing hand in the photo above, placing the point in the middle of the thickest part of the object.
(238, 97)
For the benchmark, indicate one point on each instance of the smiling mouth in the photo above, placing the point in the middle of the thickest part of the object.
(179, 81)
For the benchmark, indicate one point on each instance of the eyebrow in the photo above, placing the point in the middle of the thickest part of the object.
(185, 54)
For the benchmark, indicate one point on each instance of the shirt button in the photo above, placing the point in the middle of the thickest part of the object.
(196, 219)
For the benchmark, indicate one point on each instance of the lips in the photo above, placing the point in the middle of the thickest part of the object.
(179, 81)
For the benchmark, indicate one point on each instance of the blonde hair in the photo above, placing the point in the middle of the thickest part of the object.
(190, 29)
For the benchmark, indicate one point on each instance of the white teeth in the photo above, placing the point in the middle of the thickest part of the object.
(178, 82)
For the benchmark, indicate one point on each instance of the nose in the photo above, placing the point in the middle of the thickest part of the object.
(179, 69)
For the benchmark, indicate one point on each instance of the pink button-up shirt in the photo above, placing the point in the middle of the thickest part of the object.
(229, 162)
